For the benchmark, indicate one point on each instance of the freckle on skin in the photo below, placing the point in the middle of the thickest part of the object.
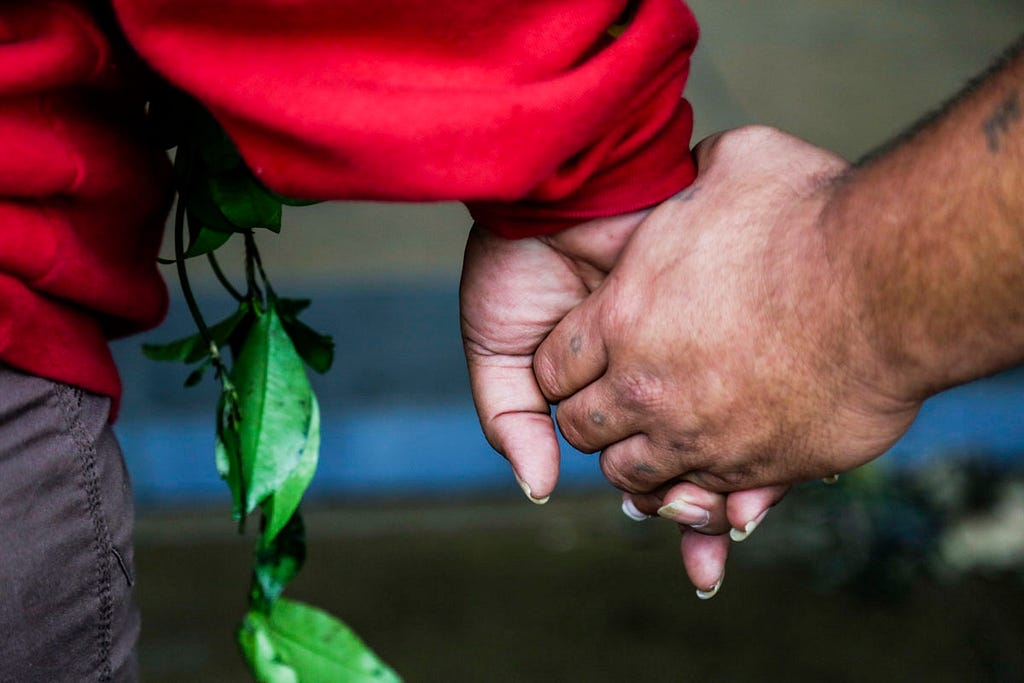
(576, 344)
(598, 418)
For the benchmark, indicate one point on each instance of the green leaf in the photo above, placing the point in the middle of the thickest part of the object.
(278, 560)
(315, 348)
(177, 350)
(288, 309)
(245, 201)
(196, 376)
(204, 240)
(227, 451)
(280, 506)
(318, 647)
(203, 209)
(193, 349)
(217, 150)
(276, 404)
(257, 645)
(291, 201)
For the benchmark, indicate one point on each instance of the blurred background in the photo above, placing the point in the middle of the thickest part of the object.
(419, 537)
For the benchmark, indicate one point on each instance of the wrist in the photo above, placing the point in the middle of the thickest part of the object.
(887, 351)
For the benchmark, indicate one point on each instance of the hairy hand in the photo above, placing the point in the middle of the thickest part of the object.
(724, 349)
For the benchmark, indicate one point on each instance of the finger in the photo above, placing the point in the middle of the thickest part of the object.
(573, 355)
(686, 501)
(704, 560)
(609, 410)
(632, 465)
(747, 509)
(515, 419)
(685, 504)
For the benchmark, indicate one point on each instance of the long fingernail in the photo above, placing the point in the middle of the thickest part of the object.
(529, 494)
(682, 512)
(712, 591)
(831, 479)
(630, 510)
(742, 534)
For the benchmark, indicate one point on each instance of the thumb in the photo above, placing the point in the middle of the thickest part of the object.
(515, 418)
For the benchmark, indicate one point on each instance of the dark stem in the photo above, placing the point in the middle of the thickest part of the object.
(251, 255)
(259, 267)
(179, 256)
(215, 266)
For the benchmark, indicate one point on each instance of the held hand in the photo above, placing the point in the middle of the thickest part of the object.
(513, 293)
(703, 519)
(723, 349)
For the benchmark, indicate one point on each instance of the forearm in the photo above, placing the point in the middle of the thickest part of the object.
(930, 236)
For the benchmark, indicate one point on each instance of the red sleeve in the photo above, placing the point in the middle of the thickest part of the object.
(527, 110)
(83, 198)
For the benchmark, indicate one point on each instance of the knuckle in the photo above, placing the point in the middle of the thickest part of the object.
(569, 424)
(545, 370)
(639, 391)
(618, 472)
(626, 472)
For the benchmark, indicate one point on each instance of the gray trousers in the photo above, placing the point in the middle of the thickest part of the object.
(66, 608)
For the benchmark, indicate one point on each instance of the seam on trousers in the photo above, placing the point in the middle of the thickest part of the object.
(70, 400)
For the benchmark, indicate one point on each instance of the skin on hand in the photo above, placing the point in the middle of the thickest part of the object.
(720, 519)
(721, 350)
(513, 293)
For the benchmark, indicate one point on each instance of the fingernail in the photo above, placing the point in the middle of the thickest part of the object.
(830, 479)
(529, 494)
(712, 591)
(682, 512)
(629, 509)
(742, 534)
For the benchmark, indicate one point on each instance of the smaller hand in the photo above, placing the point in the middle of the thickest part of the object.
(513, 293)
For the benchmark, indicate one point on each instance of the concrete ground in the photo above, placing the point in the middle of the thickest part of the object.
(495, 590)
(498, 590)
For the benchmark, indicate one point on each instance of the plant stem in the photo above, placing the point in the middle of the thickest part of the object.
(215, 266)
(251, 256)
(186, 287)
(179, 256)
(259, 265)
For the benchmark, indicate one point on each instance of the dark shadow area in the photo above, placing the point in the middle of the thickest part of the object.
(497, 590)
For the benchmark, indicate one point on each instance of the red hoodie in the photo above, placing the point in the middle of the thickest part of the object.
(530, 111)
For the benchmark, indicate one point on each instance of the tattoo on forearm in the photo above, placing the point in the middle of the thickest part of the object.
(994, 128)
(1002, 119)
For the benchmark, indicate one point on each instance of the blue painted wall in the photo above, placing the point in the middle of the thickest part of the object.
(398, 419)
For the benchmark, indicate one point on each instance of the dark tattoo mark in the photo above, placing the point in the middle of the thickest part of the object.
(576, 345)
(598, 418)
(998, 125)
(689, 193)
(930, 118)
